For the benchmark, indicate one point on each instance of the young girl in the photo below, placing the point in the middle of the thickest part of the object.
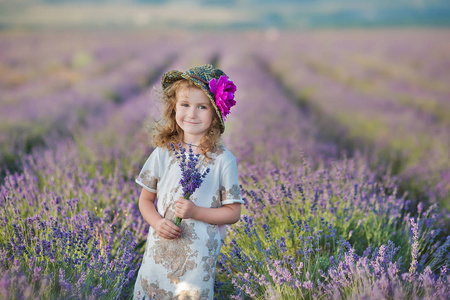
(179, 262)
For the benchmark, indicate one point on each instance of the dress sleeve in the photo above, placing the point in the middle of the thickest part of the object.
(230, 191)
(149, 176)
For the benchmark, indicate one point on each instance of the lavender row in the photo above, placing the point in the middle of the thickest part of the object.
(316, 225)
(71, 224)
(28, 118)
(62, 225)
(268, 126)
(335, 232)
(352, 84)
(313, 225)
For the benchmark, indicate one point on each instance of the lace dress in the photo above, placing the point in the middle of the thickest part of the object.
(184, 268)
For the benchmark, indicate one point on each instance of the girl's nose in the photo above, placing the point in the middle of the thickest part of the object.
(192, 112)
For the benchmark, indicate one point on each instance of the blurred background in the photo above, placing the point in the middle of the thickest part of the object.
(372, 75)
(221, 14)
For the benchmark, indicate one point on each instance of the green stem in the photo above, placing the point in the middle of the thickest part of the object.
(178, 219)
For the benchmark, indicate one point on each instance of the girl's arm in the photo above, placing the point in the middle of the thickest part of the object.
(227, 214)
(165, 228)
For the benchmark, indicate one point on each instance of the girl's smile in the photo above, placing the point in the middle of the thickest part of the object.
(193, 113)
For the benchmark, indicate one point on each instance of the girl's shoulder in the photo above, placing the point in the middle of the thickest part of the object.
(161, 150)
(223, 154)
(161, 153)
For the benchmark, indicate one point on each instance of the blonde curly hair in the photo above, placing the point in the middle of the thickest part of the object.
(167, 129)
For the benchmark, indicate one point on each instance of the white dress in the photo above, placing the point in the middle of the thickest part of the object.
(184, 268)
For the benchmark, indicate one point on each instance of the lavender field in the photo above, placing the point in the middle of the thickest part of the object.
(341, 137)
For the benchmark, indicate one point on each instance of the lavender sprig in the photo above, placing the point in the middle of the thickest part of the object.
(191, 177)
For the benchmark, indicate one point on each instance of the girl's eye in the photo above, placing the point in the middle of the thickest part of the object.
(184, 104)
(202, 107)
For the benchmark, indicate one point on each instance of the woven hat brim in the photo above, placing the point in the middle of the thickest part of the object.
(174, 75)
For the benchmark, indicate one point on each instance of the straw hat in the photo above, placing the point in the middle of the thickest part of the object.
(214, 82)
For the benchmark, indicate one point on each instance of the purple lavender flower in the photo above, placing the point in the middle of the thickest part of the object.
(415, 246)
(191, 177)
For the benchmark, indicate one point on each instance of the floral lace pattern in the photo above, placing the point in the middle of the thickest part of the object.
(231, 194)
(216, 200)
(210, 260)
(166, 252)
(153, 291)
(149, 180)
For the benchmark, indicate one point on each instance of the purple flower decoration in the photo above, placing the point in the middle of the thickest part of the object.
(224, 90)
(191, 177)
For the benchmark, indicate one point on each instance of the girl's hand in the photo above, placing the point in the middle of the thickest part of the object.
(167, 229)
(185, 209)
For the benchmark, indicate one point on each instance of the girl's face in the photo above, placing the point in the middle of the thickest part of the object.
(193, 113)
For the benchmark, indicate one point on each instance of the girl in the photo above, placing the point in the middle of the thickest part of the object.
(179, 262)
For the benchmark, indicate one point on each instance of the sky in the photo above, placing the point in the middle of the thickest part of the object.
(222, 14)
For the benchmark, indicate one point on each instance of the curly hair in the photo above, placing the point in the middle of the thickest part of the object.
(167, 129)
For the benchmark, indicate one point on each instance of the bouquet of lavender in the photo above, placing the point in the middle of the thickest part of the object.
(191, 178)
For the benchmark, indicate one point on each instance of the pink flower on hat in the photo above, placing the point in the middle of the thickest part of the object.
(224, 90)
